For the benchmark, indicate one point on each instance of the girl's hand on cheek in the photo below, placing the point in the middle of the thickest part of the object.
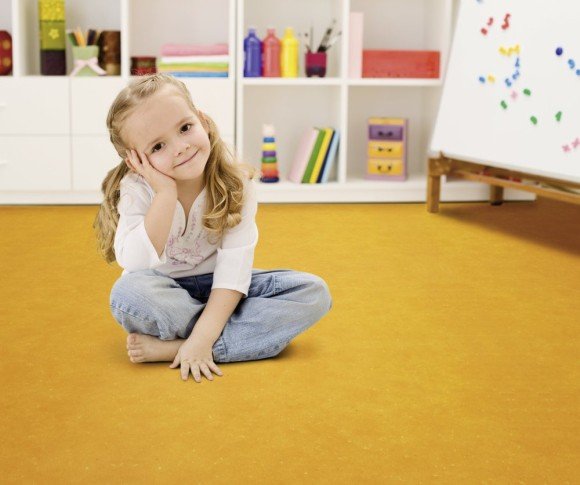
(159, 181)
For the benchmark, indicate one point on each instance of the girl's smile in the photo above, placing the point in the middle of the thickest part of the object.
(188, 160)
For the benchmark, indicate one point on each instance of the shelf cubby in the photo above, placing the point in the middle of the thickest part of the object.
(292, 110)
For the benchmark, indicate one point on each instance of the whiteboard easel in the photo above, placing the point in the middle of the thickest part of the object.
(510, 109)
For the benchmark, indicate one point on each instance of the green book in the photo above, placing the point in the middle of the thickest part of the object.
(313, 157)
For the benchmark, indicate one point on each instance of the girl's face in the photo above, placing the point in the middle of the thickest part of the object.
(171, 135)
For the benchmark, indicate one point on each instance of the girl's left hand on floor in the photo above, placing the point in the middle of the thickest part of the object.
(195, 356)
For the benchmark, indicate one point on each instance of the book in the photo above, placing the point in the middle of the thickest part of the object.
(302, 155)
(330, 157)
(313, 156)
(321, 155)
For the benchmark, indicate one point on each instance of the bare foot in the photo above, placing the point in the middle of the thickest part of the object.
(146, 348)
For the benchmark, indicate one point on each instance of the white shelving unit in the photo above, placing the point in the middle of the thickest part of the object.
(54, 146)
(294, 105)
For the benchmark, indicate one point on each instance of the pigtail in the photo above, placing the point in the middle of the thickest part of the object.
(224, 180)
(107, 219)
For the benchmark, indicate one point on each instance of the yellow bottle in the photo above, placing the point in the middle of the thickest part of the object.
(289, 54)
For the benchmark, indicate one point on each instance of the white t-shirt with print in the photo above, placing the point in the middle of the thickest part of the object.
(190, 253)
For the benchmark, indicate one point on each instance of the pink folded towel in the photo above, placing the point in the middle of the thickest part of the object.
(193, 49)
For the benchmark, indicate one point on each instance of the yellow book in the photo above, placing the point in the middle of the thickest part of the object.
(321, 155)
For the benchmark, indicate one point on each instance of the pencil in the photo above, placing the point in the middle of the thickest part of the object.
(80, 38)
(91, 37)
(71, 37)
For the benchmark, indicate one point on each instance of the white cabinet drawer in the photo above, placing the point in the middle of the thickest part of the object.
(35, 163)
(34, 106)
(91, 98)
(93, 157)
(216, 98)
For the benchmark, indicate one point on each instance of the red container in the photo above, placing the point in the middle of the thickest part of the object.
(143, 65)
(315, 64)
(413, 64)
(5, 53)
(271, 54)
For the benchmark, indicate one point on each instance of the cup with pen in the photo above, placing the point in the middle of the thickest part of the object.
(315, 61)
(85, 53)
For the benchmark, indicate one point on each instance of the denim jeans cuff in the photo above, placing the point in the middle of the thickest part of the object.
(219, 350)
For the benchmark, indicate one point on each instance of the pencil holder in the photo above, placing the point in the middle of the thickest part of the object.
(86, 61)
(315, 63)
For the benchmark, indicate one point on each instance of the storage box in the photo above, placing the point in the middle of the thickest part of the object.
(413, 64)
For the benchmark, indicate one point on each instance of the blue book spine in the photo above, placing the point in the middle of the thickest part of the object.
(329, 160)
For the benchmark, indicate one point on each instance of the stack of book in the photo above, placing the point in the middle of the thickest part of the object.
(315, 156)
(194, 60)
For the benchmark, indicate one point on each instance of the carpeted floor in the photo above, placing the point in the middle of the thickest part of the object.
(450, 356)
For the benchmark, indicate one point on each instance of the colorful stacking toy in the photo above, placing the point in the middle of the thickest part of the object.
(269, 160)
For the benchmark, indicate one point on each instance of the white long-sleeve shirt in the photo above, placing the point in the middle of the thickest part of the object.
(187, 251)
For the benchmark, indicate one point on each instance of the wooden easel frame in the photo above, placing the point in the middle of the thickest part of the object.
(498, 178)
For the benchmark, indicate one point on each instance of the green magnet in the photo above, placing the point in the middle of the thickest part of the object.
(534, 120)
(504, 105)
(527, 92)
(558, 115)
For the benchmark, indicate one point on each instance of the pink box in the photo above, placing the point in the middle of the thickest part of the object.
(355, 47)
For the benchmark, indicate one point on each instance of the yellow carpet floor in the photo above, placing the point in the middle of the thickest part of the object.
(450, 356)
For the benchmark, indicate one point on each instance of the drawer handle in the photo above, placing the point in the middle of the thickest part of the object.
(386, 133)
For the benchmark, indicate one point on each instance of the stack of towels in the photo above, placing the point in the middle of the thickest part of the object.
(184, 60)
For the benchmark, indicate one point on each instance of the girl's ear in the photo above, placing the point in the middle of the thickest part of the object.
(203, 119)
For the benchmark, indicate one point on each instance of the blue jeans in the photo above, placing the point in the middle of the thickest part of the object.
(280, 305)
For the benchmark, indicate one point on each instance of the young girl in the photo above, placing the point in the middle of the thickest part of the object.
(178, 216)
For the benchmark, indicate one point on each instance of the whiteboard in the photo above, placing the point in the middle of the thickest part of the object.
(501, 79)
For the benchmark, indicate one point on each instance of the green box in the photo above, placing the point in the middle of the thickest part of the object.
(85, 53)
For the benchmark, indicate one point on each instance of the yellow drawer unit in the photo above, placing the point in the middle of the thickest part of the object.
(387, 148)
(385, 166)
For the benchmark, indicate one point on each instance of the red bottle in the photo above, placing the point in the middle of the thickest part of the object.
(271, 54)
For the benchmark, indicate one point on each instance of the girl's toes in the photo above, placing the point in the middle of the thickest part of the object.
(131, 340)
(136, 356)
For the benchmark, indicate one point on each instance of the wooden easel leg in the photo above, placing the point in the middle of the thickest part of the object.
(433, 186)
(433, 193)
(495, 195)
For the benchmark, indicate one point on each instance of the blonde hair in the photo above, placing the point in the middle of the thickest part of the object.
(223, 174)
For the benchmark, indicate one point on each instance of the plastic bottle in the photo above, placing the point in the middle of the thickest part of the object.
(289, 54)
(271, 57)
(252, 54)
